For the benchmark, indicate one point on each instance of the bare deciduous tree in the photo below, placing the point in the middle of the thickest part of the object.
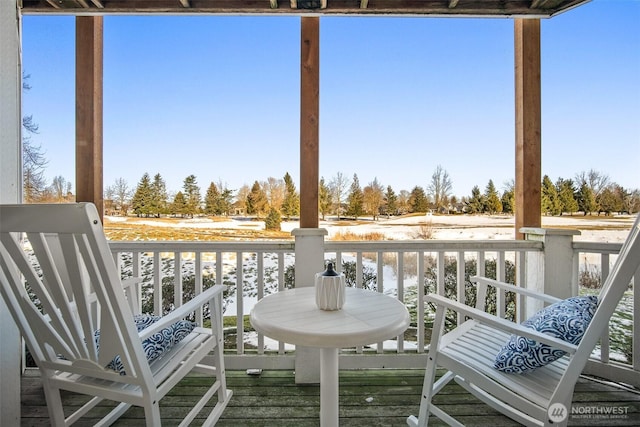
(339, 185)
(373, 198)
(440, 188)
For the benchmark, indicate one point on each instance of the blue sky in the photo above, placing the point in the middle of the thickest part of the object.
(218, 97)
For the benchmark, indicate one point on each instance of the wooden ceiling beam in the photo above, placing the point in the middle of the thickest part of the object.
(543, 4)
(453, 8)
(294, 4)
(53, 4)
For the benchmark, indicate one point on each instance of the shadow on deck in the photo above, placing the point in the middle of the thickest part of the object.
(367, 398)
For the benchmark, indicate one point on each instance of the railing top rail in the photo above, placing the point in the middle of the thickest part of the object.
(209, 246)
(437, 245)
(288, 246)
(600, 247)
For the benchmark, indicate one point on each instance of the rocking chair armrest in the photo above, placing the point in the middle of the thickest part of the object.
(500, 323)
(485, 281)
(180, 312)
(131, 281)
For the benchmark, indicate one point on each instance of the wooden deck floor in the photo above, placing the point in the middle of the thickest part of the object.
(367, 398)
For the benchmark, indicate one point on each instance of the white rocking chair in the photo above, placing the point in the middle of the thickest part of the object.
(79, 321)
(467, 353)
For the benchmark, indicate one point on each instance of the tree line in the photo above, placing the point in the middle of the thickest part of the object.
(590, 192)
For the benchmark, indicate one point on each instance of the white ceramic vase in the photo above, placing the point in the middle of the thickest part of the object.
(330, 290)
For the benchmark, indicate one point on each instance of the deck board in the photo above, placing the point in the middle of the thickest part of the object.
(367, 397)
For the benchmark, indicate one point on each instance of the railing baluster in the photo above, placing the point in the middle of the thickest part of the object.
(460, 281)
(521, 275)
(500, 276)
(157, 284)
(604, 340)
(440, 285)
(420, 303)
(260, 294)
(198, 284)
(380, 286)
(177, 279)
(239, 303)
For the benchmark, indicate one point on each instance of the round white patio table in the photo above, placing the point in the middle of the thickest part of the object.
(292, 316)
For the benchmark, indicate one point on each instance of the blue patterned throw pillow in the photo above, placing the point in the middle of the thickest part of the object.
(567, 320)
(157, 344)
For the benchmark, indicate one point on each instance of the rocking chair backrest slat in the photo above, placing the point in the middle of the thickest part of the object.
(77, 276)
(57, 299)
(23, 307)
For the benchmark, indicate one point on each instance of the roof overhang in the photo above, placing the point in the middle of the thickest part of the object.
(443, 8)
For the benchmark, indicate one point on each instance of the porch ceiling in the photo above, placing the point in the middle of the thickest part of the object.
(460, 8)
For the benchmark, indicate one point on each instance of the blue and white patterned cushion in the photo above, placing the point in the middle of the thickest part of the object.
(157, 344)
(567, 320)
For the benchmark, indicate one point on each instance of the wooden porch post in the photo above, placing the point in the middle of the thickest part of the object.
(10, 192)
(309, 120)
(309, 241)
(528, 125)
(89, 72)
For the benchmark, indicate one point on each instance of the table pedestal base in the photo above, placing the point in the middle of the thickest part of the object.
(329, 387)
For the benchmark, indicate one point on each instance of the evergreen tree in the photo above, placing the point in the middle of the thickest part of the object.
(566, 195)
(225, 202)
(418, 201)
(492, 203)
(256, 200)
(476, 201)
(355, 199)
(273, 220)
(180, 205)
(212, 200)
(390, 202)
(158, 196)
(508, 202)
(142, 198)
(608, 202)
(291, 203)
(192, 195)
(549, 200)
(324, 198)
(586, 199)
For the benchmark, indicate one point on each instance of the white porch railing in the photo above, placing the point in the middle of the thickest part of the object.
(621, 342)
(255, 269)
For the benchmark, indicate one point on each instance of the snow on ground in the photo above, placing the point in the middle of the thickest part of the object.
(444, 227)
